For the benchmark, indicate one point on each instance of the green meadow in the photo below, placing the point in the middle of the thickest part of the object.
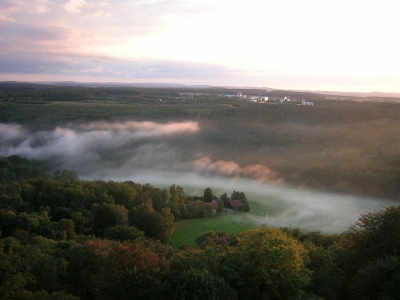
(187, 230)
(260, 213)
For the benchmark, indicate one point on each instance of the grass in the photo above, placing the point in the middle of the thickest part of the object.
(187, 230)
(61, 112)
(270, 208)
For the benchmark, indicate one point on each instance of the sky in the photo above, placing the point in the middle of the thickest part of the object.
(342, 45)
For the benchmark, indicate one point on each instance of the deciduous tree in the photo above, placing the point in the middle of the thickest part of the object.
(266, 264)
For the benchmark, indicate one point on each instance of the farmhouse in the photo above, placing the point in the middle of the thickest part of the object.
(213, 203)
(235, 204)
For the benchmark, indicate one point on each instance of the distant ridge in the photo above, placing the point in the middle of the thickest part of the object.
(256, 90)
(109, 84)
(354, 94)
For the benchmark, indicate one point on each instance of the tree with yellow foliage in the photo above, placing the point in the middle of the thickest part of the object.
(266, 263)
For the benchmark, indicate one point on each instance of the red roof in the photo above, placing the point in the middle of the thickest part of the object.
(235, 203)
(213, 203)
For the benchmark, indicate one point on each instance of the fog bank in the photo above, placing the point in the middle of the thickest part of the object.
(283, 206)
(165, 154)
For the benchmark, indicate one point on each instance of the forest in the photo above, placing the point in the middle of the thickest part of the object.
(66, 238)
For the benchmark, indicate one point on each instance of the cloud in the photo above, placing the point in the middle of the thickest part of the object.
(21, 33)
(232, 169)
(146, 128)
(28, 61)
(73, 6)
(147, 2)
(283, 206)
(4, 20)
(57, 43)
(33, 64)
(145, 39)
(99, 22)
(87, 145)
(10, 132)
(8, 7)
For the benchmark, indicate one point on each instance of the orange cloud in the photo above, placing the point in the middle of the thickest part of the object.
(148, 128)
(232, 169)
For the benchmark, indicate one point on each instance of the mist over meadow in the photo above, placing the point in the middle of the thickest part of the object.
(149, 152)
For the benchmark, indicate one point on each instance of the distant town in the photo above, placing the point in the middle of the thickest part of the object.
(259, 99)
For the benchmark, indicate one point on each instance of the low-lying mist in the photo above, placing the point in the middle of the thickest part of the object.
(272, 204)
(166, 154)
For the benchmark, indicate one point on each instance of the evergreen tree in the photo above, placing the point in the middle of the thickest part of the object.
(208, 195)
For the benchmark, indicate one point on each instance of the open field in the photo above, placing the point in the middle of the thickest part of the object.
(187, 230)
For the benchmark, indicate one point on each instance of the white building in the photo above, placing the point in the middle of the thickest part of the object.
(304, 102)
(239, 95)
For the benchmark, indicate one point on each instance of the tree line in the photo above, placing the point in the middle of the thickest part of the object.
(61, 206)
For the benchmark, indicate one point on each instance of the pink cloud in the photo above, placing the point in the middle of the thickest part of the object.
(24, 6)
(4, 19)
(232, 169)
(146, 128)
(73, 6)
